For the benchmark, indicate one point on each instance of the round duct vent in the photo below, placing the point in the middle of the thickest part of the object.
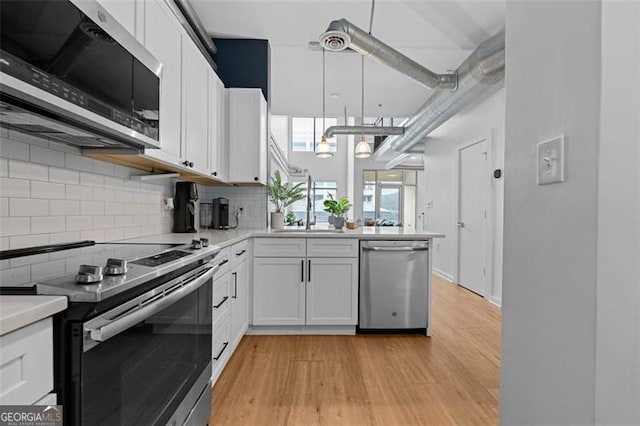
(335, 41)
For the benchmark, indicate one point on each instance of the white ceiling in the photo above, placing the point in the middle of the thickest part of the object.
(437, 34)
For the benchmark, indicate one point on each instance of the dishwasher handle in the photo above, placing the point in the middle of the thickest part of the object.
(396, 249)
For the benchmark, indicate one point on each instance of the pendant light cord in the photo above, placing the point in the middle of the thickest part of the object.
(362, 138)
(323, 93)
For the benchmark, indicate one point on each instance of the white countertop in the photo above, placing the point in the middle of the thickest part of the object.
(228, 237)
(19, 311)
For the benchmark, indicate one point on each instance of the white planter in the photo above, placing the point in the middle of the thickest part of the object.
(277, 220)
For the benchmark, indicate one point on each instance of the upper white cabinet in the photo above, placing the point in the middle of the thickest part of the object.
(195, 108)
(247, 136)
(217, 127)
(123, 11)
(163, 38)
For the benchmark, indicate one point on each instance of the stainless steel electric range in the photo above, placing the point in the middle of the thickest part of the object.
(134, 346)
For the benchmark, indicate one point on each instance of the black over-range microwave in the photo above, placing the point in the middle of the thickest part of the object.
(70, 72)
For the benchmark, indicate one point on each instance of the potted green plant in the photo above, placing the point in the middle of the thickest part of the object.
(282, 195)
(338, 208)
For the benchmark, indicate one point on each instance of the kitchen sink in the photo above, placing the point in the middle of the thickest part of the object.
(309, 231)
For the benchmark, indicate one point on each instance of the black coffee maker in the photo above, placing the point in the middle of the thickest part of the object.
(185, 207)
(220, 213)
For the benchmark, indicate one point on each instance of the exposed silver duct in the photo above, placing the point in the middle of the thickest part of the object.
(406, 162)
(479, 76)
(192, 18)
(363, 130)
(342, 34)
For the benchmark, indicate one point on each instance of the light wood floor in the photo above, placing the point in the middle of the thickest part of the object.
(449, 378)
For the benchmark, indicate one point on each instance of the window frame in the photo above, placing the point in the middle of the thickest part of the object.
(317, 121)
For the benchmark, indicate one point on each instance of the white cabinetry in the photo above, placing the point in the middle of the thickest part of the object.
(163, 38)
(123, 11)
(195, 103)
(239, 290)
(247, 136)
(26, 364)
(294, 287)
(217, 127)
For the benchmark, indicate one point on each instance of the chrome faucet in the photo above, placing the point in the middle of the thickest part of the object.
(307, 222)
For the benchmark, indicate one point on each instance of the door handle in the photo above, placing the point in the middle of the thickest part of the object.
(309, 271)
(302, 271)
(460, 224)
(235, 286)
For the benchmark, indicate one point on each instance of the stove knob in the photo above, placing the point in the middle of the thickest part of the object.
(89, 274)
(205, 242)
(196, 244)
(116, 267)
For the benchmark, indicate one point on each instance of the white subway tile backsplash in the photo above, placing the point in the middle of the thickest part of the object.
(48, 156)
(64, 148)
(31, 171)
(4, 167)
(103, 194)
(114, 208)
(77, 162)
(123, 196)
(91, 208)
(4, 207)
(64, 237)
(64, 207)
(113, 234)
(48, 224)
(91, 179)
(51, 191)
(92, 234)
(4, 243)
(79, 223)
(64, 176)
(28, 241)
(102, 222)
(28, 207)
(132, 232)
(10, 226)
(103, 168)
(14, 149)
(113, 182)
(15, 276)
(132, 185)
(14, 188)
(46, 269)
(77, 192)
(122, 221)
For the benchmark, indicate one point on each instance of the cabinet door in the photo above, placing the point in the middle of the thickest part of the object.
(217, 127)
(278, 291)
(332, 291)
(195, 107)
(239, 300)
(163, 39)
(123, 11)
(247, 136)
(223, 132)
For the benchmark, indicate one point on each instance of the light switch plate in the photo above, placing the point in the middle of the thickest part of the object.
(551, 161)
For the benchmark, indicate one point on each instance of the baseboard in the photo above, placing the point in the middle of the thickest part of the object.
(443, 275)
(302, 330)
(495, 300)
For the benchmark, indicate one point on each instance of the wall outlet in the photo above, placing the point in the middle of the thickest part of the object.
(240, 211)
(168, 204)
(551, 161)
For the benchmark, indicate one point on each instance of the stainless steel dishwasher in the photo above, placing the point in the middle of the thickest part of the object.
(394, 286)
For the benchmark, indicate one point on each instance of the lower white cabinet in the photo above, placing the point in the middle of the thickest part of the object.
(303, 290)
(239, 300)
(26, 364)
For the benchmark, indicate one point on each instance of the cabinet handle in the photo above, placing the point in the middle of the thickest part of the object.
(235, 286)
(224, 299)
(309, 271)
(256, 178)
(302, 271)
(223, 262)
(190, 163)
(215, 358)
(240, 253)
(215, 173)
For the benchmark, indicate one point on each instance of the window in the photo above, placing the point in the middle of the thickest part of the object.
(389, 197)
(306, 132)
(319, 193)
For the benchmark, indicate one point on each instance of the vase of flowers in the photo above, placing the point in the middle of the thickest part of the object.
(282, 195)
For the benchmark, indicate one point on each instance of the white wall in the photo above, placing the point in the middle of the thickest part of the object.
(438, 182)
(618, 303)
(549, 296)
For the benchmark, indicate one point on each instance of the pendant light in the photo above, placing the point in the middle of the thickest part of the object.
(323, 150)
(363, 150)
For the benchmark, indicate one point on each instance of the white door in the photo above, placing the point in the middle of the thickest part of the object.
(473, 196)
(279, 291)
(332, 291)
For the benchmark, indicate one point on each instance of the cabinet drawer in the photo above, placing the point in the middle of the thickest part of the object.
(26, 364)
(223, 258)
(239, 252)
(279, 247)
(221, 299)
(332, 247)
(221, 342)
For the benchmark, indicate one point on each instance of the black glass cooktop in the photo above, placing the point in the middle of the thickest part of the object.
(162, 258)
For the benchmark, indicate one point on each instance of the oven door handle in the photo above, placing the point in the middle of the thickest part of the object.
(117, 326)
